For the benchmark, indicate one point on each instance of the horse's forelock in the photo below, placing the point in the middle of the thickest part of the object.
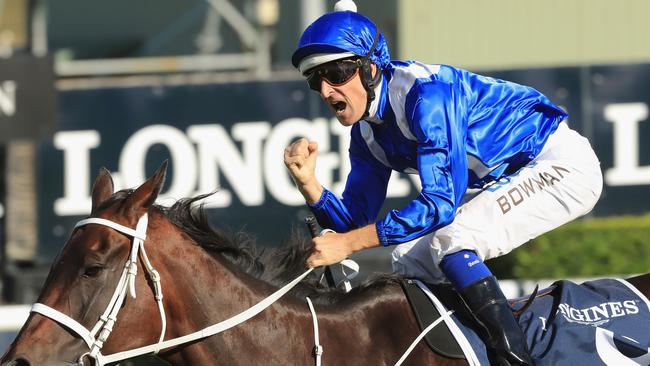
(117, 197)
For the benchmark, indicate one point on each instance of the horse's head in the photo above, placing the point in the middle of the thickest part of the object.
(84, 278)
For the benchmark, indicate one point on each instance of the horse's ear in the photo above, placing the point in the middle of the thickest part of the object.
(102, 188)
(145, 195)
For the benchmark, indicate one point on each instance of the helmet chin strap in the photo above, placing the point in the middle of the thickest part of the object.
(370, 89)
(370, 84)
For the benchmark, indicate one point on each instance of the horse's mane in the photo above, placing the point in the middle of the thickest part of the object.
(276, 266)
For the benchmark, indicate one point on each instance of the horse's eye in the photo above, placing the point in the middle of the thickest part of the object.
(92, 271)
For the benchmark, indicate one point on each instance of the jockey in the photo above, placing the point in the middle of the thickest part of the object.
(497, 162)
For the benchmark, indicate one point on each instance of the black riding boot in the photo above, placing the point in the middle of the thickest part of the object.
(504, 336)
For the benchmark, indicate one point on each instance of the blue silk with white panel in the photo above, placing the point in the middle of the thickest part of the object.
(454, 128)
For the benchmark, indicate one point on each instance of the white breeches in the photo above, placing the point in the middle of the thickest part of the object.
(563, 183)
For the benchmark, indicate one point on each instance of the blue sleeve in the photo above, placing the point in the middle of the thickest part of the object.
(437, 117)
(364, 193)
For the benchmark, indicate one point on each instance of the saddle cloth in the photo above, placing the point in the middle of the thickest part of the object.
(601, 322)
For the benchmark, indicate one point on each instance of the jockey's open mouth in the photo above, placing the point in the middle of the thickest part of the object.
(338, 107)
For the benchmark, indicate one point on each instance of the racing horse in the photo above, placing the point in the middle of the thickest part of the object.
(206, 276)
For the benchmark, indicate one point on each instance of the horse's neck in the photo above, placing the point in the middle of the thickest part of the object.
(205, 289)
(202, 290)
(284, 332)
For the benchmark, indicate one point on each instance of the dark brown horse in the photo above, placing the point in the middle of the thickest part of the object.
(207, 277)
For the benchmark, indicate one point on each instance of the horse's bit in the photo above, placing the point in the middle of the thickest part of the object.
(107, 320)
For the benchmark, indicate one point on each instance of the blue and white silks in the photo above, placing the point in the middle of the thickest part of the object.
(454, 128)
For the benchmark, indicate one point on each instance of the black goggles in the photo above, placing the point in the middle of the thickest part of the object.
(335, 73)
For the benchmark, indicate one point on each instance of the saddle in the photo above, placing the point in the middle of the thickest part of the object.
(440, 339)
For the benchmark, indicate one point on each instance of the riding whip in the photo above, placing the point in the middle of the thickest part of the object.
(312, 225)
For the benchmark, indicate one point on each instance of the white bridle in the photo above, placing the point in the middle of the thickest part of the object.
(104, 325)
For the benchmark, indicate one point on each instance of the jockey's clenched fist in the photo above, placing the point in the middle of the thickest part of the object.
(300, 159)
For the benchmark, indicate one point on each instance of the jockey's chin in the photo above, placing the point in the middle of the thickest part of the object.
(347, 122)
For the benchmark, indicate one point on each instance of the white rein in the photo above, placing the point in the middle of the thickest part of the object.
(104, 325)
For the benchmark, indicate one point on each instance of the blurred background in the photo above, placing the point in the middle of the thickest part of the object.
(208, 85)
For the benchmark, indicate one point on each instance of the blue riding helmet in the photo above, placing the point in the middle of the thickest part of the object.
(342, 32)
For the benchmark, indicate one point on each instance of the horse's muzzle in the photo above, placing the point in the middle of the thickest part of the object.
(18, 361)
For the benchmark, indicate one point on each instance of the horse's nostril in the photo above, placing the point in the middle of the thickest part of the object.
(18, 362)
